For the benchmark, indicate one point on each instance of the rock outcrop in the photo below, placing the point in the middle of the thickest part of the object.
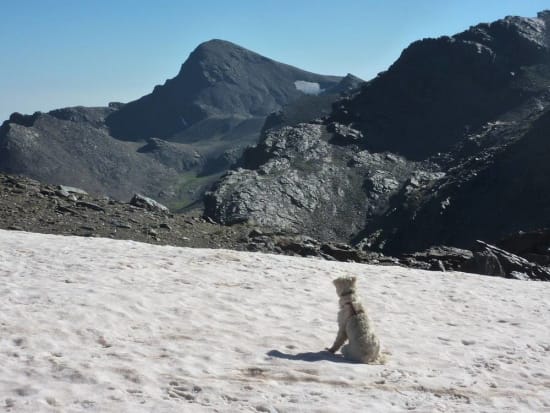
(441, 90)
(296, 180)
(532, 245)
(491, 260)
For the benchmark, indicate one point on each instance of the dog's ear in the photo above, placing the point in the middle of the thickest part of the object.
(353, 279)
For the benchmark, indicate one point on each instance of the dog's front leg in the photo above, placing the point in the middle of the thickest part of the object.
(341, 338)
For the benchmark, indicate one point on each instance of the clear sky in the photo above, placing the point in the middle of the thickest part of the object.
(57, 53)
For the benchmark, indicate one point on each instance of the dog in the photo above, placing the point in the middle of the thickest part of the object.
(354, 325)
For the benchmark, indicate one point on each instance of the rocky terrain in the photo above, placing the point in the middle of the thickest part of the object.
(173, 143)
(446, 147)
(28, 205)
(300, 178)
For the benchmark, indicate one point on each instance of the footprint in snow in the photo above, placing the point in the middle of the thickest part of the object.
(181, 391)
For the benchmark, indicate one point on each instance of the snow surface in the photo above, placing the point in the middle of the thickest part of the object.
(100, 325)
(309, 88)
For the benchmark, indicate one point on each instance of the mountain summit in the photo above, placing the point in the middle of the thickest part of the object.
(218, 80)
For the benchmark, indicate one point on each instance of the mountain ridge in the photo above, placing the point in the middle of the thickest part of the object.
(170, 144)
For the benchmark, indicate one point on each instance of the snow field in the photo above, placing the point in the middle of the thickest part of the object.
(98, 325)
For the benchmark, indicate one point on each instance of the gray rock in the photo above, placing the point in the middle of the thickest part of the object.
(344, 135)
(294, 179)
(254, 233)
(150, 204)
(90, 205)
(441, 258)
(491, 260)
(120, 224)
(72, 190)
(62, 193)
(342, 252)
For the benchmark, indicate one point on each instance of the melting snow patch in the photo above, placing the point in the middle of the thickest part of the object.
(309, 88)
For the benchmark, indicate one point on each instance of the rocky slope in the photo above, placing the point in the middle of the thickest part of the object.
(28, 205)
(172, 143)
(73, 147)
(446, 147)
(299, 180)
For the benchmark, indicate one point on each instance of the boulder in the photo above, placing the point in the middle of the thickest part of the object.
(441, 257)
(72, 190)
(344, 135)
(490, 260)
(343, 252)
(141, 201)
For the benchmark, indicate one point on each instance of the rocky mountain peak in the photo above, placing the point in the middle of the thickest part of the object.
(515, 40)
(219, 79)
(217, 60)
(196, 123)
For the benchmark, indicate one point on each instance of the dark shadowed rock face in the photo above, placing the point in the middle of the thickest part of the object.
(440, 90)
(309, 107)
(532, 245)
(499, 189)
(220, 80)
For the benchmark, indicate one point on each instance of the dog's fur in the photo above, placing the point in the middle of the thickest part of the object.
(354, 325)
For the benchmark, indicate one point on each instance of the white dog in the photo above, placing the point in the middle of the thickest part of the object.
(354, 325)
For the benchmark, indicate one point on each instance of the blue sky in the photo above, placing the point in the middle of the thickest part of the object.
(57, 53)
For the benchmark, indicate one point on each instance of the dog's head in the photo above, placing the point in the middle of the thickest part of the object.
(345, 285)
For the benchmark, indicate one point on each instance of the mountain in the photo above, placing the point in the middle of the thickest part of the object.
(219, 80)
(171, 143)
(446, 146)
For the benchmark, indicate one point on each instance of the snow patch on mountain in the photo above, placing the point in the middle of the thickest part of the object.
(309, 88)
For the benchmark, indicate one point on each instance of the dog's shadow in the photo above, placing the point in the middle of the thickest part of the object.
(310, 356)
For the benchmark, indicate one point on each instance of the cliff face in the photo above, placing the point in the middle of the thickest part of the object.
(497, 190)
